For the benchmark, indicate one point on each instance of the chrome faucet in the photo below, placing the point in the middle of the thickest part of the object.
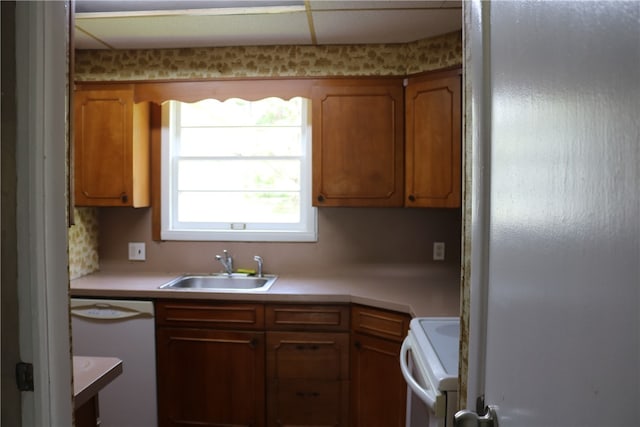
(258, 259)
(227, 261)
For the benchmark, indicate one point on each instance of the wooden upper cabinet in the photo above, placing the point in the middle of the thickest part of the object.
(358, 142)
(111, 161)
(433, 141)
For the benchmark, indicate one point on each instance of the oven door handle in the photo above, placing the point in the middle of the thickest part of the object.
(430, 396)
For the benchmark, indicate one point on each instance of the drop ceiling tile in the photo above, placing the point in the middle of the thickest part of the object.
(91, 6)
(82, 40)
(374, 4)
(198, 31)
(388, 26)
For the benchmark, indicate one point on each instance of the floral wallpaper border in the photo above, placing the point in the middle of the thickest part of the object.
(270, 61)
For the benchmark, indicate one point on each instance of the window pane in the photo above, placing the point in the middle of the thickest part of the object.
(237, 175)
(234, 207)
(235, 141)
(237, 170)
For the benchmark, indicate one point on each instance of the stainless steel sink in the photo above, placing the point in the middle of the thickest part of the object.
(222, 282)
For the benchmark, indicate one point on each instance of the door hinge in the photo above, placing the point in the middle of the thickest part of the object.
(24, 376)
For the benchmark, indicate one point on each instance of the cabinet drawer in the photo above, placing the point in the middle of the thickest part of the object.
(381, 323)
(210, 315)
(308, 403)
(307, 317)
(307, 355)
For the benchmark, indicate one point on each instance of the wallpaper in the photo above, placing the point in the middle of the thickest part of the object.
(83, 243)
(270, 61)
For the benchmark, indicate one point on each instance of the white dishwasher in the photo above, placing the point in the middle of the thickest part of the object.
(126, 330)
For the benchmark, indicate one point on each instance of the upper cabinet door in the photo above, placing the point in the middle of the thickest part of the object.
(111, 149)
(433, 142)
(358, 143)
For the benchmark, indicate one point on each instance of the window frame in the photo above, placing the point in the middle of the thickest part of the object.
(306, 232)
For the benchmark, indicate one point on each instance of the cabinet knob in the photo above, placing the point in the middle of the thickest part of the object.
(412, 198)
(124, 198)
(321, 198)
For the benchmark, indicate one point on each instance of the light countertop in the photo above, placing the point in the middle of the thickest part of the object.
(92, 374)
(416, 290)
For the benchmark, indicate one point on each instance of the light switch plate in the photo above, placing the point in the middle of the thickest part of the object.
(137, 251)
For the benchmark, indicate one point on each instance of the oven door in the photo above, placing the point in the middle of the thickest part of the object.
(426, 407)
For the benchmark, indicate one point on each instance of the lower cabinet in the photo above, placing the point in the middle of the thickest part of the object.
(378, 390)
(234, 364)
(208, 374)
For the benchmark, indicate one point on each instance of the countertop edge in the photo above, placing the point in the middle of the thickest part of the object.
(89, 382)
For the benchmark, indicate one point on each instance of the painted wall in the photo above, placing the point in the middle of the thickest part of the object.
(99, 238)
(346, 236)
(11, 405)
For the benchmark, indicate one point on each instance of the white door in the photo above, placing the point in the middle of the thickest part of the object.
(556, 214)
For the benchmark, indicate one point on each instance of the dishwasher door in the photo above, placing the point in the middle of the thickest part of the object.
(126, 330)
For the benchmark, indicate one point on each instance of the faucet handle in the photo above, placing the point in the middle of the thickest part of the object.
(258, 259)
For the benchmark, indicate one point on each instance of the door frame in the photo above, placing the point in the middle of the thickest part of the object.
(43, 279)
(476, 204)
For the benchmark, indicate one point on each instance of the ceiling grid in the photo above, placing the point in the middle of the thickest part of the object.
(117, 25)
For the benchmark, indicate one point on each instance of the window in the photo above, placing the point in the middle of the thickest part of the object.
(237, 170)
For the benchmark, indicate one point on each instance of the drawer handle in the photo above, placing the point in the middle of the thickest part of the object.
(302, 347)
(304, 394)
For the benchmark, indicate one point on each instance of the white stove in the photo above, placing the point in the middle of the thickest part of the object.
(429, 363)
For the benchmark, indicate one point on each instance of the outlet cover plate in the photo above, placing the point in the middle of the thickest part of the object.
(137, 251)
(438, 251)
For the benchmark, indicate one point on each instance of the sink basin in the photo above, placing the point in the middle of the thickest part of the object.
(222, 282)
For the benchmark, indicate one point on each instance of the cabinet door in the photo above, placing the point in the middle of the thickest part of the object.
(433, 142)
(209, 377)
(358, 143)
(378, 390)
(111, 163)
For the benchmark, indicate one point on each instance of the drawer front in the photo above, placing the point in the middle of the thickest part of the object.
(308, 355)
(210, 315)
(307, 317)
(381, 323)
(308, 403)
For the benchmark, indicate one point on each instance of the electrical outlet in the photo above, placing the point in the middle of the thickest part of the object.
(137, 251)
(438, 251)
